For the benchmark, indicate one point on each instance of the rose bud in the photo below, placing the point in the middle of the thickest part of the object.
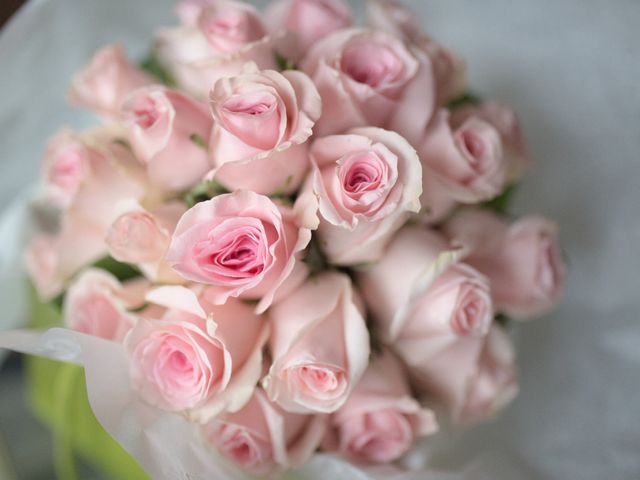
(370, 78)
(505, 121)
(522, 261)
(103, 85)
(381, 420)
(319, 346)
(166, 130)
(95, 305)
(142, 238)
(218, 38)
(422, 299)
(66, 166)
(262, 438)
(42, 265)
(367, 182)
(241, 245)
(448, 69)
(192, 359)
(263, 120)
(474, 378)
(307, 21)
(465, 165)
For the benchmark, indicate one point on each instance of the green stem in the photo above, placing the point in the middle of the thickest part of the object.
(64, 458)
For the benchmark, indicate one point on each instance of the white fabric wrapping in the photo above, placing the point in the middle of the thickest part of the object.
(570, 68)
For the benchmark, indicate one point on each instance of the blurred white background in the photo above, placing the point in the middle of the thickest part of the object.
(571, 68)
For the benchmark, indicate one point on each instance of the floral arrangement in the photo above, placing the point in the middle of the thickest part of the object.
(296, 230)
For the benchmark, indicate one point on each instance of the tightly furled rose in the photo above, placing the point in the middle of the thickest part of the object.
(262, 438)
(505, 121)
(319, 346)
(466, 164)
(241, 245)
(370, 78)
(165, 129)
(368, 182)
(199, 358)
(522, 260)
(95, 304)
(474, 377)
(142, 237)
(104, 84)
(263, 120)
(422, 299)
(381, 420)
(448, 69)
(217, 39)
(307, 21)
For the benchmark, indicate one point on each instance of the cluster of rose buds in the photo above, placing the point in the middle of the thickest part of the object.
(304, 206)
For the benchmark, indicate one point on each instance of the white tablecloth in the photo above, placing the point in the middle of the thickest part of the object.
(572, 70)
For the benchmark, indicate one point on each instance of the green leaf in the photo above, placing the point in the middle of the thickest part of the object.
(284, 63)
(153, 67)
(199, 140)
(503, 320)
(204, 191)
(464, 99)
(502, 202)
(122, 271)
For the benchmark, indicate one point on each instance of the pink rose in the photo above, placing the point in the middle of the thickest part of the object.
(64, 168)
(263, 121)
(368, 182)
(523, 260)
(263, 439)
(422, 299)
(381, 420)
(142, 238)
(86, 175)
(370, 78)
(242, 245)
(217, 39)
(165, 128)
(474, 378)
(505, 121)
(465, 164)
(199, 358)
(42, 265)
(448, 69)
(308, 21)
(103, 85)
(319, 346)
(95, 305)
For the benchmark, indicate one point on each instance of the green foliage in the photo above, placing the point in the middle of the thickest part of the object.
(57, 394)
(203, 191)
(502, 202)
(153, 67)
(464, 99)
(284, 63)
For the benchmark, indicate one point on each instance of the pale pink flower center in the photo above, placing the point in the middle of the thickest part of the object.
(67, 171)
(237, 253)
(230, 29)
(239, 445)
(549, 271)
(475, 147)
(380, 437)
(371, 63)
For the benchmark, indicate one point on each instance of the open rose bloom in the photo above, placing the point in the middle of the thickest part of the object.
(288, 238)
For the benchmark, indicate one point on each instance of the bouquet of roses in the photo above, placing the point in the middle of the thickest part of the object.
(294, 231)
